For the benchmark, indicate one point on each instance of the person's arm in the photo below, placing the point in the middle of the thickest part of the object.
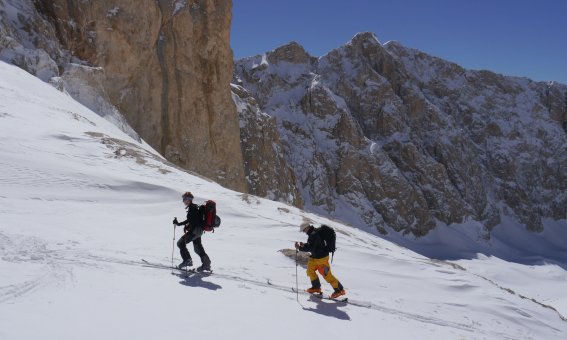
(179, 223)
(303, 246)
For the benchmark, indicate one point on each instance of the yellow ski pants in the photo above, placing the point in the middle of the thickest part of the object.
(322, 266)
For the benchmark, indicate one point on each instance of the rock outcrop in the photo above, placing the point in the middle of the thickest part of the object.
(387, 136)
(166, 66)
(267, 172)
(28, 40)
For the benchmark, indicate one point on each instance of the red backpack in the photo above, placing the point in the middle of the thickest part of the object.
(210, 218)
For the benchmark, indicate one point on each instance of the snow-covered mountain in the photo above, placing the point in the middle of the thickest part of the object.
(81, 203)
(379, 136)
(390, 137)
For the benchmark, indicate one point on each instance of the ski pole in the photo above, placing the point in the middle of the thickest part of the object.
(184, 239)
(173, 247)
(296, 277)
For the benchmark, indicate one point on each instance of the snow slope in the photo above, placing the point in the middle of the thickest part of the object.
(81, 203)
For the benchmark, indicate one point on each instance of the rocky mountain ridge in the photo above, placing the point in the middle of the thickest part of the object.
(373, 134)
(390, 137)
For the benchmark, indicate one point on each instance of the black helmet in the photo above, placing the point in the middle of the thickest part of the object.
(188, 195)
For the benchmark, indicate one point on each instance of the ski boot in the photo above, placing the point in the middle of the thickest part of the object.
(314, 290)
(204, 268)
(315, 287)
(338, 292)
(185, 263)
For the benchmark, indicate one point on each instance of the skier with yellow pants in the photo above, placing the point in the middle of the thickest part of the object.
(318, 261)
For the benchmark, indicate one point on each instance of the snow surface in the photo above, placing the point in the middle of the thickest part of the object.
(81, 203)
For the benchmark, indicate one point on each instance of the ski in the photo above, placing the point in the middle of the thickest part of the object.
(322, 297)
(183, 270)
(159, 265)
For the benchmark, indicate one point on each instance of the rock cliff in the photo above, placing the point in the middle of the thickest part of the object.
(267, 172)
(165, 65)
(387, 136)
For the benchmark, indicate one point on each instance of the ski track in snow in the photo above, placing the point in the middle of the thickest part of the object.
(56, 272)
(49, 267)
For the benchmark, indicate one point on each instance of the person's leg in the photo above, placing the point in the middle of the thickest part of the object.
(199, 250)
(311, 272)
(185, 255)
(324, 269)
(182, 245)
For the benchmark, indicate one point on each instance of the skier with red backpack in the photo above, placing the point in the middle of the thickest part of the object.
(320, 243)
(194, 227)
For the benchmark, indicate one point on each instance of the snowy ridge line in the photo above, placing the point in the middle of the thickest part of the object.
(508, 290)
(357, 303)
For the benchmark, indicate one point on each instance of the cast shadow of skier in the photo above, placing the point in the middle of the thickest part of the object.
(196, 280)
(328, 308)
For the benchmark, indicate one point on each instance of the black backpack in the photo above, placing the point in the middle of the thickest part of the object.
(330, 238)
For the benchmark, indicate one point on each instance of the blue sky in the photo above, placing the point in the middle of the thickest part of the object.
(526, 38)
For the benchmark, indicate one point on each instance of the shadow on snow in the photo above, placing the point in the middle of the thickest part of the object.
(328, 308)
(196, 280)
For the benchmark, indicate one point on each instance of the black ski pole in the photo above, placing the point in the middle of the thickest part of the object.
(173, 247)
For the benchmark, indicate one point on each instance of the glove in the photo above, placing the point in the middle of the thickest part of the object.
(297, 245)
(175, 221)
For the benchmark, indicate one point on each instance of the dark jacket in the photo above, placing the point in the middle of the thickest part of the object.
(194, 217)
(315, 245)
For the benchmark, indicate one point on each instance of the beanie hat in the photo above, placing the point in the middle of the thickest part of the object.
(304, 226)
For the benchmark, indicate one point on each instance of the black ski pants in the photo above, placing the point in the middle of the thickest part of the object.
(197, 246)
